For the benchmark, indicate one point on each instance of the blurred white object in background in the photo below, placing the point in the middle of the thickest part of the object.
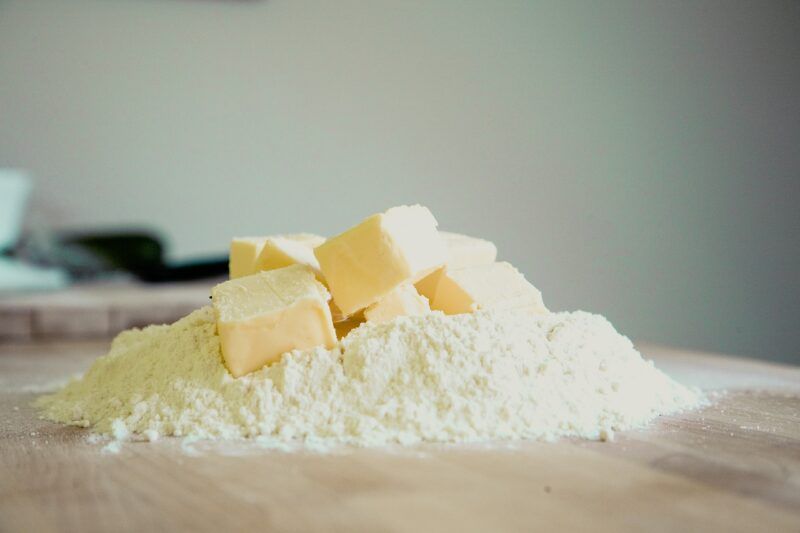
(15, 187)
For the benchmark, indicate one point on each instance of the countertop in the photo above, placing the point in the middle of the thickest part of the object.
(733, 466)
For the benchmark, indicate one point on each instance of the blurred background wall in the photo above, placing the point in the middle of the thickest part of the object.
(639, 159)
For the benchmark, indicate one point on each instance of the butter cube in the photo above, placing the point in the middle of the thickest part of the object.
(344, 324)
(245, 251)
(279, 252)
(384, 251)
(462, 251)
(402, 301)
(243, 255)
(493, 286)
(262, 316)
(344, 327)
(311, 240)
(465, 251)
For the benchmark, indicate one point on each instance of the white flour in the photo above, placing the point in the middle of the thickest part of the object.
(462, 378)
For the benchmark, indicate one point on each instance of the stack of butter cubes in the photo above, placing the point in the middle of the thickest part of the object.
(299, 291)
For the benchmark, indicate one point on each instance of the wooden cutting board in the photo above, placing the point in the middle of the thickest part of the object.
(734, 466)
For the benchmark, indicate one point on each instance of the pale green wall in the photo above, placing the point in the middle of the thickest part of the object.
(638, 159)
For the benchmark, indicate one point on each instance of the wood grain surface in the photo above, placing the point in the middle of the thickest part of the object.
(97, 310)
(734, 466)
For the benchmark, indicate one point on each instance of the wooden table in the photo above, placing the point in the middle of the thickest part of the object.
(734, 466)
(97, 310)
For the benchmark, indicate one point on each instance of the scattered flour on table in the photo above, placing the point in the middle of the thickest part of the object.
(463, 378)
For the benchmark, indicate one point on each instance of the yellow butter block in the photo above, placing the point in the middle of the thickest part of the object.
(336, 313)
(344, 327)
(246, 251)
(427, 285)
(402, 301)
(279, 252)
(384, 251)
(311, 240)
(264, 315)
(344, 324)
(243, 254)
(465, 251)
(462, 251)
(493, 286)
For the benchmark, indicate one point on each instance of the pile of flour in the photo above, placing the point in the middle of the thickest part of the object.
(462, 378)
